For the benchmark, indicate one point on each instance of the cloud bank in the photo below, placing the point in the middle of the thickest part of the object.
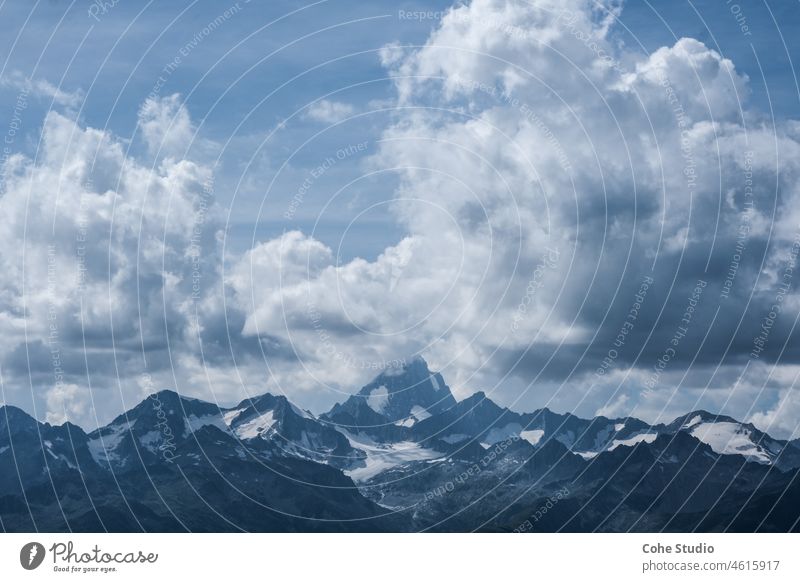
(587, 227)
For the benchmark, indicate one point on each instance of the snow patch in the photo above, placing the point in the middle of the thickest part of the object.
(532, 436)
(378, 399)
(102, 448)
(645, 437)
(193, 423)
(452, 439)
(49, 448)
(497, 435)
(255, 427)
(619, 426)
(231, 415)
(150, 440)
(420, 413)
(381, 457)
(695, 419)
(730, 438)
(417, 414)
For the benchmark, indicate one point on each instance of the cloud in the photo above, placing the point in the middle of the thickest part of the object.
(42, 88)
(614, 409)
(68, 402)
(781, 416)
(294, 293)
(166, 126)
(107, 263)
(529, 134)
(327, 111)
(544, 173)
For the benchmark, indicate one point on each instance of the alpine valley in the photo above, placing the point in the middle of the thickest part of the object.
(400, 455)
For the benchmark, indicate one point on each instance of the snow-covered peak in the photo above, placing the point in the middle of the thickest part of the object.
(407, 393)
(727, 436)
(255, 417)
(732, 438)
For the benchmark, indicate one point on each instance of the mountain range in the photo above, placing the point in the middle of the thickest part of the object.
(402, 454)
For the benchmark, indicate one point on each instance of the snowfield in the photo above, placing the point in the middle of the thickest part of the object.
(730, 438)
(382, 457)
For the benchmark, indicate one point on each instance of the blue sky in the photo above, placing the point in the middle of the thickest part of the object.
(357, 176)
